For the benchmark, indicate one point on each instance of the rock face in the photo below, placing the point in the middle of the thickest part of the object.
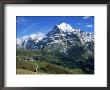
(64, 36)
(60, 37)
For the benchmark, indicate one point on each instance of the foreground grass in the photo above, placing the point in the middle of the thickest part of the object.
(22, 71)
(56, 69)
(29, 67)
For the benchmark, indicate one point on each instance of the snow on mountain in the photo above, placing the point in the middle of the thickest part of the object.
(35, 38)
(65, 27)
(62, 35)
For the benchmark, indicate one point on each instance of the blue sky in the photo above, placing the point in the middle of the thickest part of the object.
(26, 25)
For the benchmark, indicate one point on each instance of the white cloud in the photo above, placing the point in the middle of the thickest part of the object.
(35, 36)
(25, 37)
(39, 35)
(86, 17)
(89, 25)
(18, 42)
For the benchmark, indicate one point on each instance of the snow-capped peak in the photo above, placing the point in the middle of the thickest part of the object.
(65, 27)
(34, 37)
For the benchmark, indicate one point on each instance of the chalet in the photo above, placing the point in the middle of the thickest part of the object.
(29, 58)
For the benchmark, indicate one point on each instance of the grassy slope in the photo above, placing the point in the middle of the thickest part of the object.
(22, 71)
(44, 68)
(55, 69)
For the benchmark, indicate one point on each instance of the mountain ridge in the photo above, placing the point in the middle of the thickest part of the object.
(63, 34)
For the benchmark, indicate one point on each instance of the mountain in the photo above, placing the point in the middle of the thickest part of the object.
(29, 41)
(63, 46)
(61, 37)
